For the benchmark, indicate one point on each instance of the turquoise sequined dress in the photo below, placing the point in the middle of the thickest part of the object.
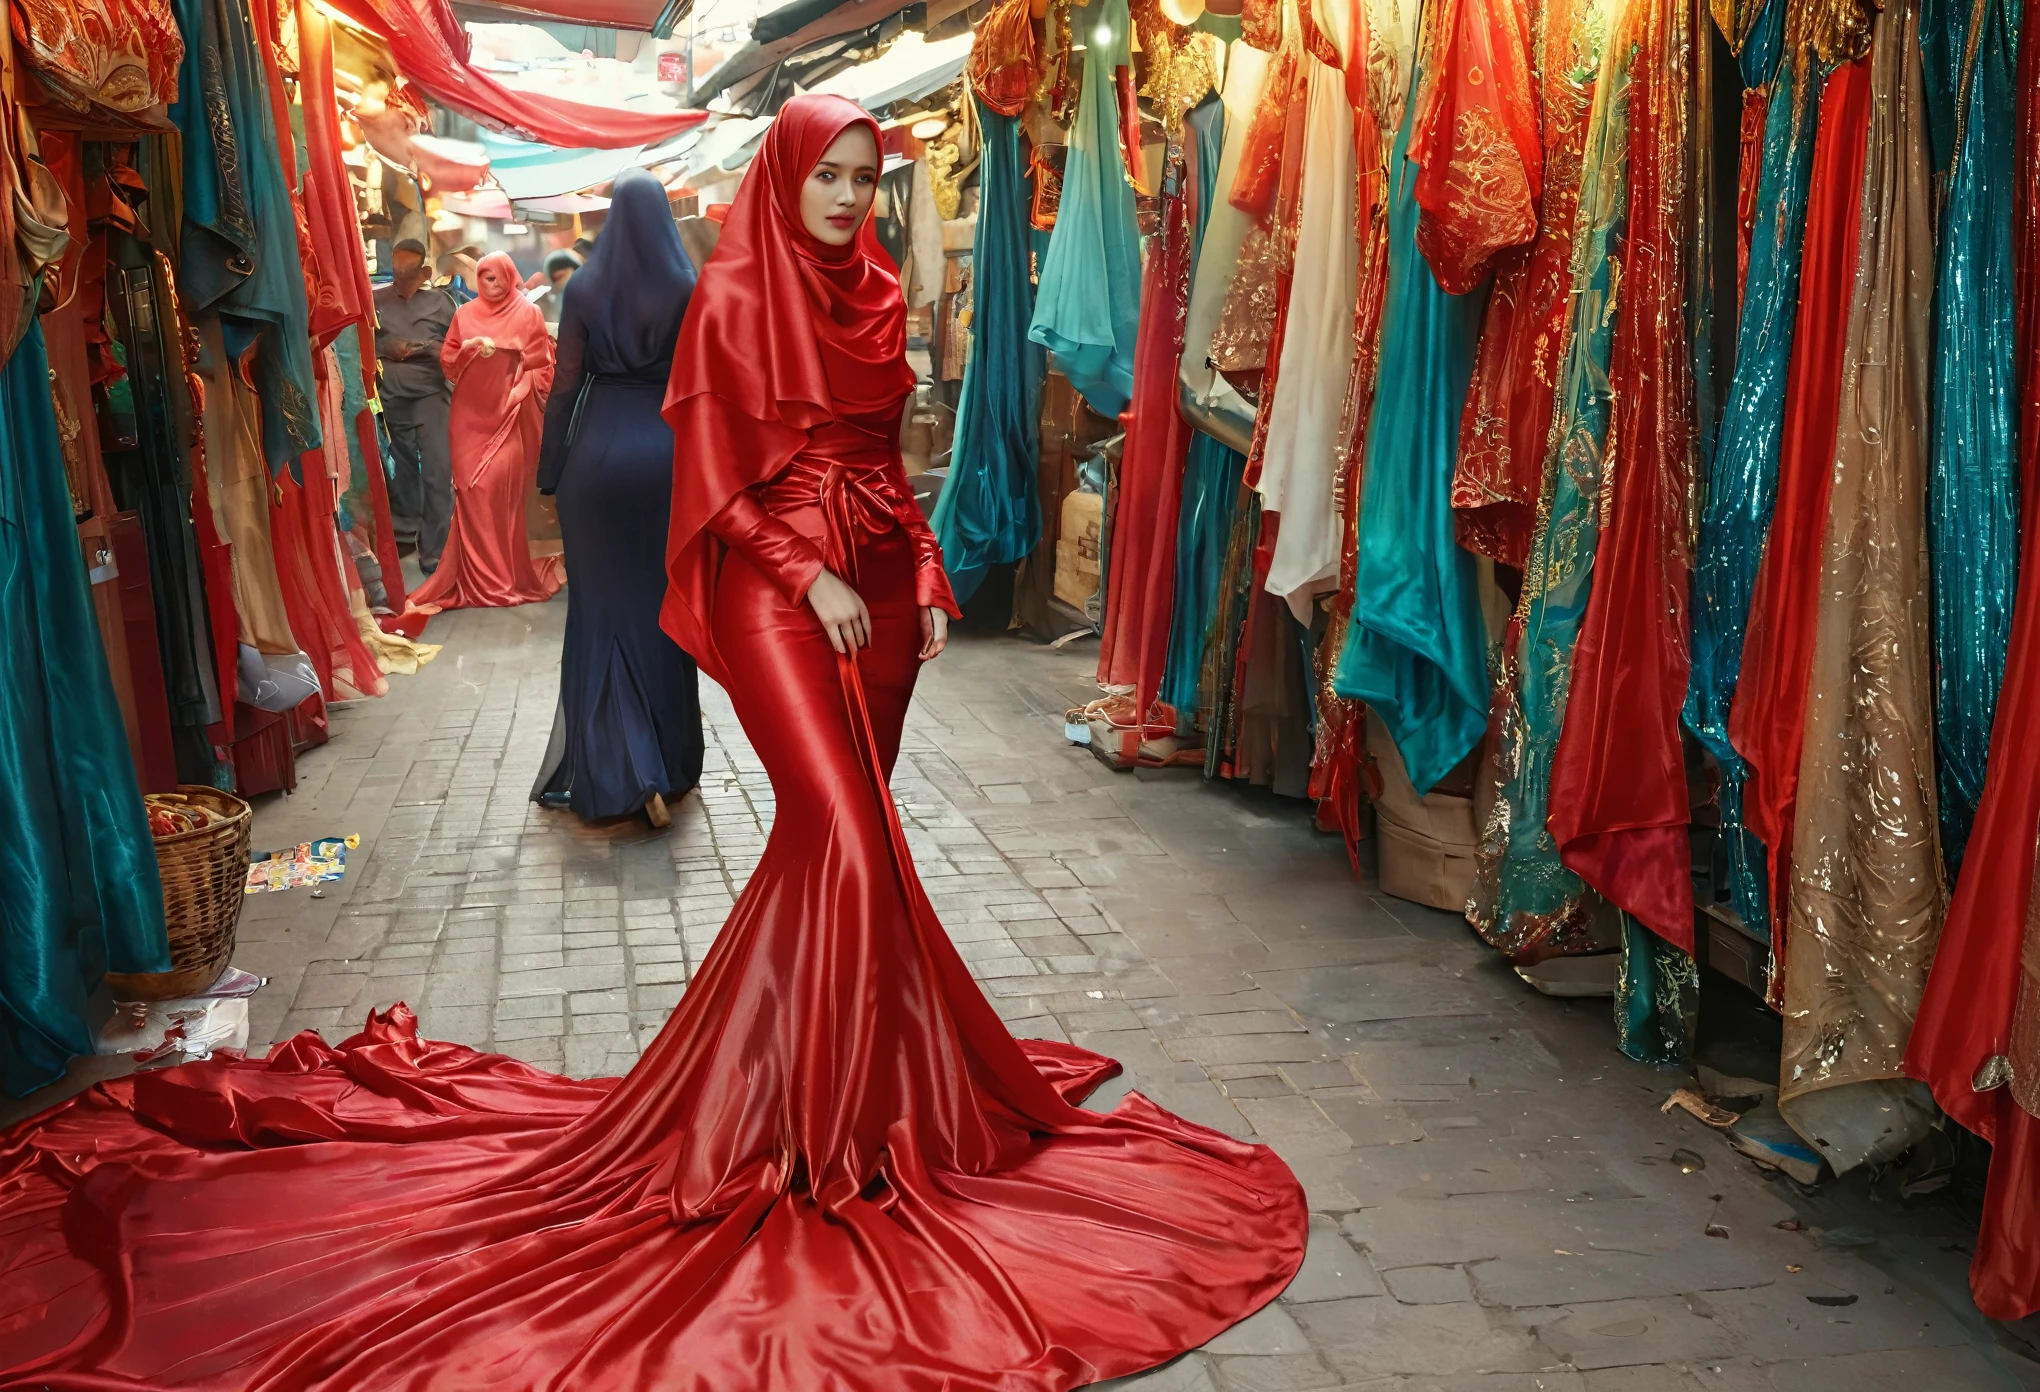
(1743, 482)
(1973, 489)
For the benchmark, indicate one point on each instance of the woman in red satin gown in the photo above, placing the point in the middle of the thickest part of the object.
(499, 358)
(833, 1171)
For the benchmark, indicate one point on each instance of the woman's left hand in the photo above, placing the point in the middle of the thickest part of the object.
(934, 632)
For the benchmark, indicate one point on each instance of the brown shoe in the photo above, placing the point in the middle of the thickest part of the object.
(656, 813)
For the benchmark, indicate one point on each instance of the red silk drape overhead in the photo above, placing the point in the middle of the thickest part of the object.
(432, 50)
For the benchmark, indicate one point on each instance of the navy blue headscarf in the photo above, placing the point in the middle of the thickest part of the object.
(633, 292)
(620, 317)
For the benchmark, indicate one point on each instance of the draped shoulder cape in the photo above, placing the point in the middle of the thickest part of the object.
(785, 333)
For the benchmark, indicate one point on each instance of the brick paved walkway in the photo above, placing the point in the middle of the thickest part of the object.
(1493, 1203)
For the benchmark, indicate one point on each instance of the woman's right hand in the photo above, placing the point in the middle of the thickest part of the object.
(843, 615)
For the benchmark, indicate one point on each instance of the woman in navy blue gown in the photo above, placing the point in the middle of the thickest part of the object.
(628, 733)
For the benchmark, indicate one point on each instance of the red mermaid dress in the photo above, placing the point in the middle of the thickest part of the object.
(833, 1171)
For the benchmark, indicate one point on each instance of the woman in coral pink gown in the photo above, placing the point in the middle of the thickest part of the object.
(499, 358)
(833, 1171)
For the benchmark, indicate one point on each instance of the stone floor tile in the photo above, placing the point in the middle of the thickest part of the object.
(1381, 1337)
(336, 989)
(527, 1027)
(464, 1022)
(1293, 1372)
(1271, 1330)
(1366, 1120)
(1616, 1333)
(536, 1006)
(1190, 1373)
(1428, 1285)
(1332, 1269)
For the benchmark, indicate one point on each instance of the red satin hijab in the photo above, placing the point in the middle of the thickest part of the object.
(785, 333)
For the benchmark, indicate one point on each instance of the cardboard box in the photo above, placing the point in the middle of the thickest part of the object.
(1076, 549)
(1422, 869)
(1441, 817)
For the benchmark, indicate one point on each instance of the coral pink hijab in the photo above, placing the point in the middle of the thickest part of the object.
(503, 316)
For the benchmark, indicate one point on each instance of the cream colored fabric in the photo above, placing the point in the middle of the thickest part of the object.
(1246, 74)
(1302, 453)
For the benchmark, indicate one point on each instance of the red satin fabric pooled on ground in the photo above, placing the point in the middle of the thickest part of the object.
(833, 1170)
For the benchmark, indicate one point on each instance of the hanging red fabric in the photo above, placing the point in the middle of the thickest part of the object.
(1966, 1017)
(342, 294)
(1619, 805)
(431, 50)
(1134, 647)
(1478, 194)
(1768, 721)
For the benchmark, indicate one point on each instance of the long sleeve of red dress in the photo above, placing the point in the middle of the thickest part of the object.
(791, 561)
(779, 553)
(931, 580)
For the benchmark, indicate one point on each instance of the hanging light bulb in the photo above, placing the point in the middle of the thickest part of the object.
(1102, 35)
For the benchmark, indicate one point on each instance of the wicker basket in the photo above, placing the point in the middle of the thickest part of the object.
(205, 872)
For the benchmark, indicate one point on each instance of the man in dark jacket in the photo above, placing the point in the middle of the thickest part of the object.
(412, 319)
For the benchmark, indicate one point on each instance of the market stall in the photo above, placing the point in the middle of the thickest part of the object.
(196, 470)
(1600, 502)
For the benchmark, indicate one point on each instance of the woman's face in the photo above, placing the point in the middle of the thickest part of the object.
(838, 192)
(492, 283)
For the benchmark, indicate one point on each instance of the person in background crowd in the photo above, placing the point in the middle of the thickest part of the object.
(628, 732)
(584, 247)
(500, 359)
(412, 319)
(458, 266)
(559, 269)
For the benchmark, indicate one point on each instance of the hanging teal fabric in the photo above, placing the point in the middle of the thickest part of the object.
(1211, 480)
(357, 501)
(1088, 307)
(1526, 903)
(1657, 997)
(1211, 490)
(1742, 487)
(1417, 650)
(1973, 491)
(82, 894)
(990, 509)
(239, 253)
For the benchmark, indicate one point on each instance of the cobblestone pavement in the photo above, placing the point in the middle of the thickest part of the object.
(1494, 1203)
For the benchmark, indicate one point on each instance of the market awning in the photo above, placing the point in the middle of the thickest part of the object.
(727, 144)
(431, 49)
(567, 204)
(908, 71)
(527, 171)
(772, 40)
(650, 16)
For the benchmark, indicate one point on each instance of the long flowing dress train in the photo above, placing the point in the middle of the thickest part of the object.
(833, 1171)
